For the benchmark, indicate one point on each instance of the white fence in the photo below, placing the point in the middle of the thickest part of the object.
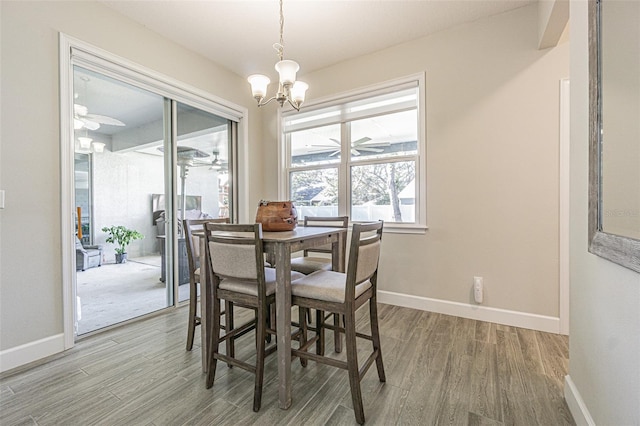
(360, 213)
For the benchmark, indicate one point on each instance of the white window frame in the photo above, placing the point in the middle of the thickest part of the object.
(344, 167)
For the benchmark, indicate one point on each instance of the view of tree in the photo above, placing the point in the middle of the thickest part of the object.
(380, 184)
(321, 184)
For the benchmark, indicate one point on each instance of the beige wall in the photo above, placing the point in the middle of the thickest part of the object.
(492, 126)
(605, 298)
(30, 277)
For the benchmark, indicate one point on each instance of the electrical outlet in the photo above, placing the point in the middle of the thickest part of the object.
(478, 290)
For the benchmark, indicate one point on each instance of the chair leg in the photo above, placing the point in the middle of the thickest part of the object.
(375, 337)
(228, 321)
(352, 366)
(303, 313)
(261, 326)
(337, 337)
(320, 332)
(271, 320)
(214, 345)
(193, 314)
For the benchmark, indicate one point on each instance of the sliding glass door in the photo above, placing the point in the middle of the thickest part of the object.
(203, 152)
(143, 162)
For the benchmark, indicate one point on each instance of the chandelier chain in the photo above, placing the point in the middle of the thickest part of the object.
(281, 51)
(289, 90)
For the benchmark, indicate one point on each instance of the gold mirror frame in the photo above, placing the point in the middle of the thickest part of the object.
(622, 250)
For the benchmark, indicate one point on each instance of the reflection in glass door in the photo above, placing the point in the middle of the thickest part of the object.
(120, 172)
(124, 163)
(203, 153)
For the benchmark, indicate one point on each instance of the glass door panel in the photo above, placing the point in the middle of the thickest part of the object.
(203, 156)
(120, 173)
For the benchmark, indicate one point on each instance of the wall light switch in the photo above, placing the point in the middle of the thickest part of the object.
(1, 198)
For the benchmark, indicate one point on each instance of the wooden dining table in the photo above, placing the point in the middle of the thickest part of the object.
(278, 247)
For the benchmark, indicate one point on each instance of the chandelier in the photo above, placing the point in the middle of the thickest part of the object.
(289, 90)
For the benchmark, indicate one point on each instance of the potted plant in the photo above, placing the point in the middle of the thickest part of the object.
(122, 237)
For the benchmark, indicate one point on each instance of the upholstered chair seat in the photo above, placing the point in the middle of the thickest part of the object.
(325, 285)
(310, 264)
(250, 288)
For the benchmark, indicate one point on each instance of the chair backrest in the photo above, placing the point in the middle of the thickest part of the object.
(235, 251)
(326, 221)
(193, 241)
(364, 254)
(79, 246)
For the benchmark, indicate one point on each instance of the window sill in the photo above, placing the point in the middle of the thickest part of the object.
(394, 228)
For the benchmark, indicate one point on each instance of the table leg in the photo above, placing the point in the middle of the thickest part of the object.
(283, 323)
(206, 306)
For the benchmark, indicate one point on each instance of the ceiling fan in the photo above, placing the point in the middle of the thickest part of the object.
(215, 164)
(83, 119)
(357, 146)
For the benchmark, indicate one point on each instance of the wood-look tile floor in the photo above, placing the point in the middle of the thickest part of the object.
(440, 370)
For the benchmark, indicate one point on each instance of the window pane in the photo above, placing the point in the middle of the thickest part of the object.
(384, 191)
(385, 136)
(204, 145)
(315, 192)
(320, 145)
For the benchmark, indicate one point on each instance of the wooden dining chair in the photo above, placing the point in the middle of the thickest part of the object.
(235, 255)
(193, 255)
(344, 293)
(308, 264)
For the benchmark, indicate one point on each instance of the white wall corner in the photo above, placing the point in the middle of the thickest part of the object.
(474, 312)
(29, 352)
(576, 404)
(553, 16)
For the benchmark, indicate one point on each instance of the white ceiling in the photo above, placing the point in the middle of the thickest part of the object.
(239, 34)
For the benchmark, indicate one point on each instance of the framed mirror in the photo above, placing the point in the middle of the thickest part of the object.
(614, 133)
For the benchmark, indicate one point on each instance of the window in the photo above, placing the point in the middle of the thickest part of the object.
(360, 155)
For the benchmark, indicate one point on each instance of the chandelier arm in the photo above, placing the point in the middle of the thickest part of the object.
(293, 104)
(262, 102)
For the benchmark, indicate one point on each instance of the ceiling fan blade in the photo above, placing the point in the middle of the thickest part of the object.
(335, 140)
(354, 151)
(370, 149)
(103, 119)
(334, 153)
(360, 141)
(89, 124)
(80, 109)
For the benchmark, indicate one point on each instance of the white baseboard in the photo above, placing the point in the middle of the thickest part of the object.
(29, 352)
(475, 312)
(576, 404)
